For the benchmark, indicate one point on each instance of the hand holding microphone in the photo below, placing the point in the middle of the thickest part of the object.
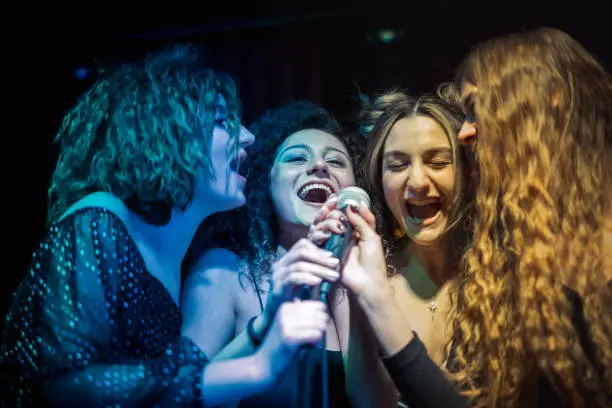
(346, 227)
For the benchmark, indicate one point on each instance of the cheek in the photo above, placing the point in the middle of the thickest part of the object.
(280, 185)
(393, 190)
(345, 178)
(446, 182)
(393, 186)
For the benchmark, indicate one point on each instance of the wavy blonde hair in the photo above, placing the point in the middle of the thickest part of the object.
(544, 117)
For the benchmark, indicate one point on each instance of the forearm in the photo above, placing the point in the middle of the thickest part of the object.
(229, 381)
(242, 345)
(386, 319)
(367, 382)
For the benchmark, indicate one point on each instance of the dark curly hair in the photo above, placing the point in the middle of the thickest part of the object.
(142, 133)
(251, 231)
(377, 119)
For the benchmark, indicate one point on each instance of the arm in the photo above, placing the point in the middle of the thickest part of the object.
(65, 334)
(417, 378)
(367, 382)
(208, 302)
(303, 264)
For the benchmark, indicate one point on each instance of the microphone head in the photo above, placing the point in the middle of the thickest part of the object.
(352, 196)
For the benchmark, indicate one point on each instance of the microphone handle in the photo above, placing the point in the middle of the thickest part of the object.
(338, 245)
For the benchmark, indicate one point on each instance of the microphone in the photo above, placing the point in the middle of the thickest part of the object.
(338, 244)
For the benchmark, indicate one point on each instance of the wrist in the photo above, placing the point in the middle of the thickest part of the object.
(260, 325)
(262, 370)
(256, 330)
(375, 296)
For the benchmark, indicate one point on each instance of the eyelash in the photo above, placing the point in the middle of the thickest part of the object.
(437, 165)
(222, 123)
(302, 157)
(295, 158)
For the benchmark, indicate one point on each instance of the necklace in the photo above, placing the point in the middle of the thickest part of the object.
(433, 306)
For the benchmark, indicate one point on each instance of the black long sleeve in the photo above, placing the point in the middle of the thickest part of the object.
(420, 382)
(90, 326)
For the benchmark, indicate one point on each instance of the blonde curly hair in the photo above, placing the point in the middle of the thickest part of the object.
(544, 118)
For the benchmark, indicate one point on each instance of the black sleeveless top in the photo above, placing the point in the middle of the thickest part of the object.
(301, 386)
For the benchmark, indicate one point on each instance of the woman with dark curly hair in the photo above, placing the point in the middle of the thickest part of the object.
(531, 310)
(146, 155)
(300, 159)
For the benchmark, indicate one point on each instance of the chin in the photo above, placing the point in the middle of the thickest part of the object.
(231, 203)
(427, 236)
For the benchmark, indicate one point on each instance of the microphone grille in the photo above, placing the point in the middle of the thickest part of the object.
(352, 196)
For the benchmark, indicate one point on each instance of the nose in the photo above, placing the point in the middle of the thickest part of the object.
(418, 181)
(246, 137)
(468, 133)
(319, 167)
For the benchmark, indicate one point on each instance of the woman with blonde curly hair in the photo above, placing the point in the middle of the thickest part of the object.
(531, 321)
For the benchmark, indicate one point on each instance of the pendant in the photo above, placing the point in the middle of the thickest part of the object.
(433, 306)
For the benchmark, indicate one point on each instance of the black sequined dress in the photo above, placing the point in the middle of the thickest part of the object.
(90, 326)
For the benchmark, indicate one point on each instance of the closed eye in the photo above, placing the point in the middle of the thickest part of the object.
(296, 158)
(438, 165)
(337, 162)
(222, 123)
(397, 166)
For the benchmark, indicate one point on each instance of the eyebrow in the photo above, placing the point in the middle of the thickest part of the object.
(433, 150)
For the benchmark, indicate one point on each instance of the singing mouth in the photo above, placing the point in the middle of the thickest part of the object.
(422, 210)
(237, 161)
(315, 192)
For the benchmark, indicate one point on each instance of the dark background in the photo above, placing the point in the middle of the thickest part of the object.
(324, 51)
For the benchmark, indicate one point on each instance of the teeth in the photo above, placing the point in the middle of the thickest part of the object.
(421, 203)
(309, 187)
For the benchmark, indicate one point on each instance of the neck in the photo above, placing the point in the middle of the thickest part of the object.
(434, 260)
(289, 235)
(171, 241)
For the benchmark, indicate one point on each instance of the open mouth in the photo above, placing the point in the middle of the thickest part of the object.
(317, 193)
(236, 161)
(422, 211)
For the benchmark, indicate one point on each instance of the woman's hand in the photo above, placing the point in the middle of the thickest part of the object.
(304, 264)
(296, 324)
(365, 269)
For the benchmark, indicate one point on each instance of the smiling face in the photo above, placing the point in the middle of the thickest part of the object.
(309, 166)
(418, 177)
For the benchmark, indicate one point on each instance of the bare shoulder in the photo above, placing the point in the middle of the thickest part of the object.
(215, 266)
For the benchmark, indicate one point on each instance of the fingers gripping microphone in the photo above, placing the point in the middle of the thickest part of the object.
(338, 244)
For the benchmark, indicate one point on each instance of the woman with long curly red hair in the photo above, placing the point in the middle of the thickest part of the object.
(529, 308)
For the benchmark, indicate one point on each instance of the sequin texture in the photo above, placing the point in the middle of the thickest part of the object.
(90, 326)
